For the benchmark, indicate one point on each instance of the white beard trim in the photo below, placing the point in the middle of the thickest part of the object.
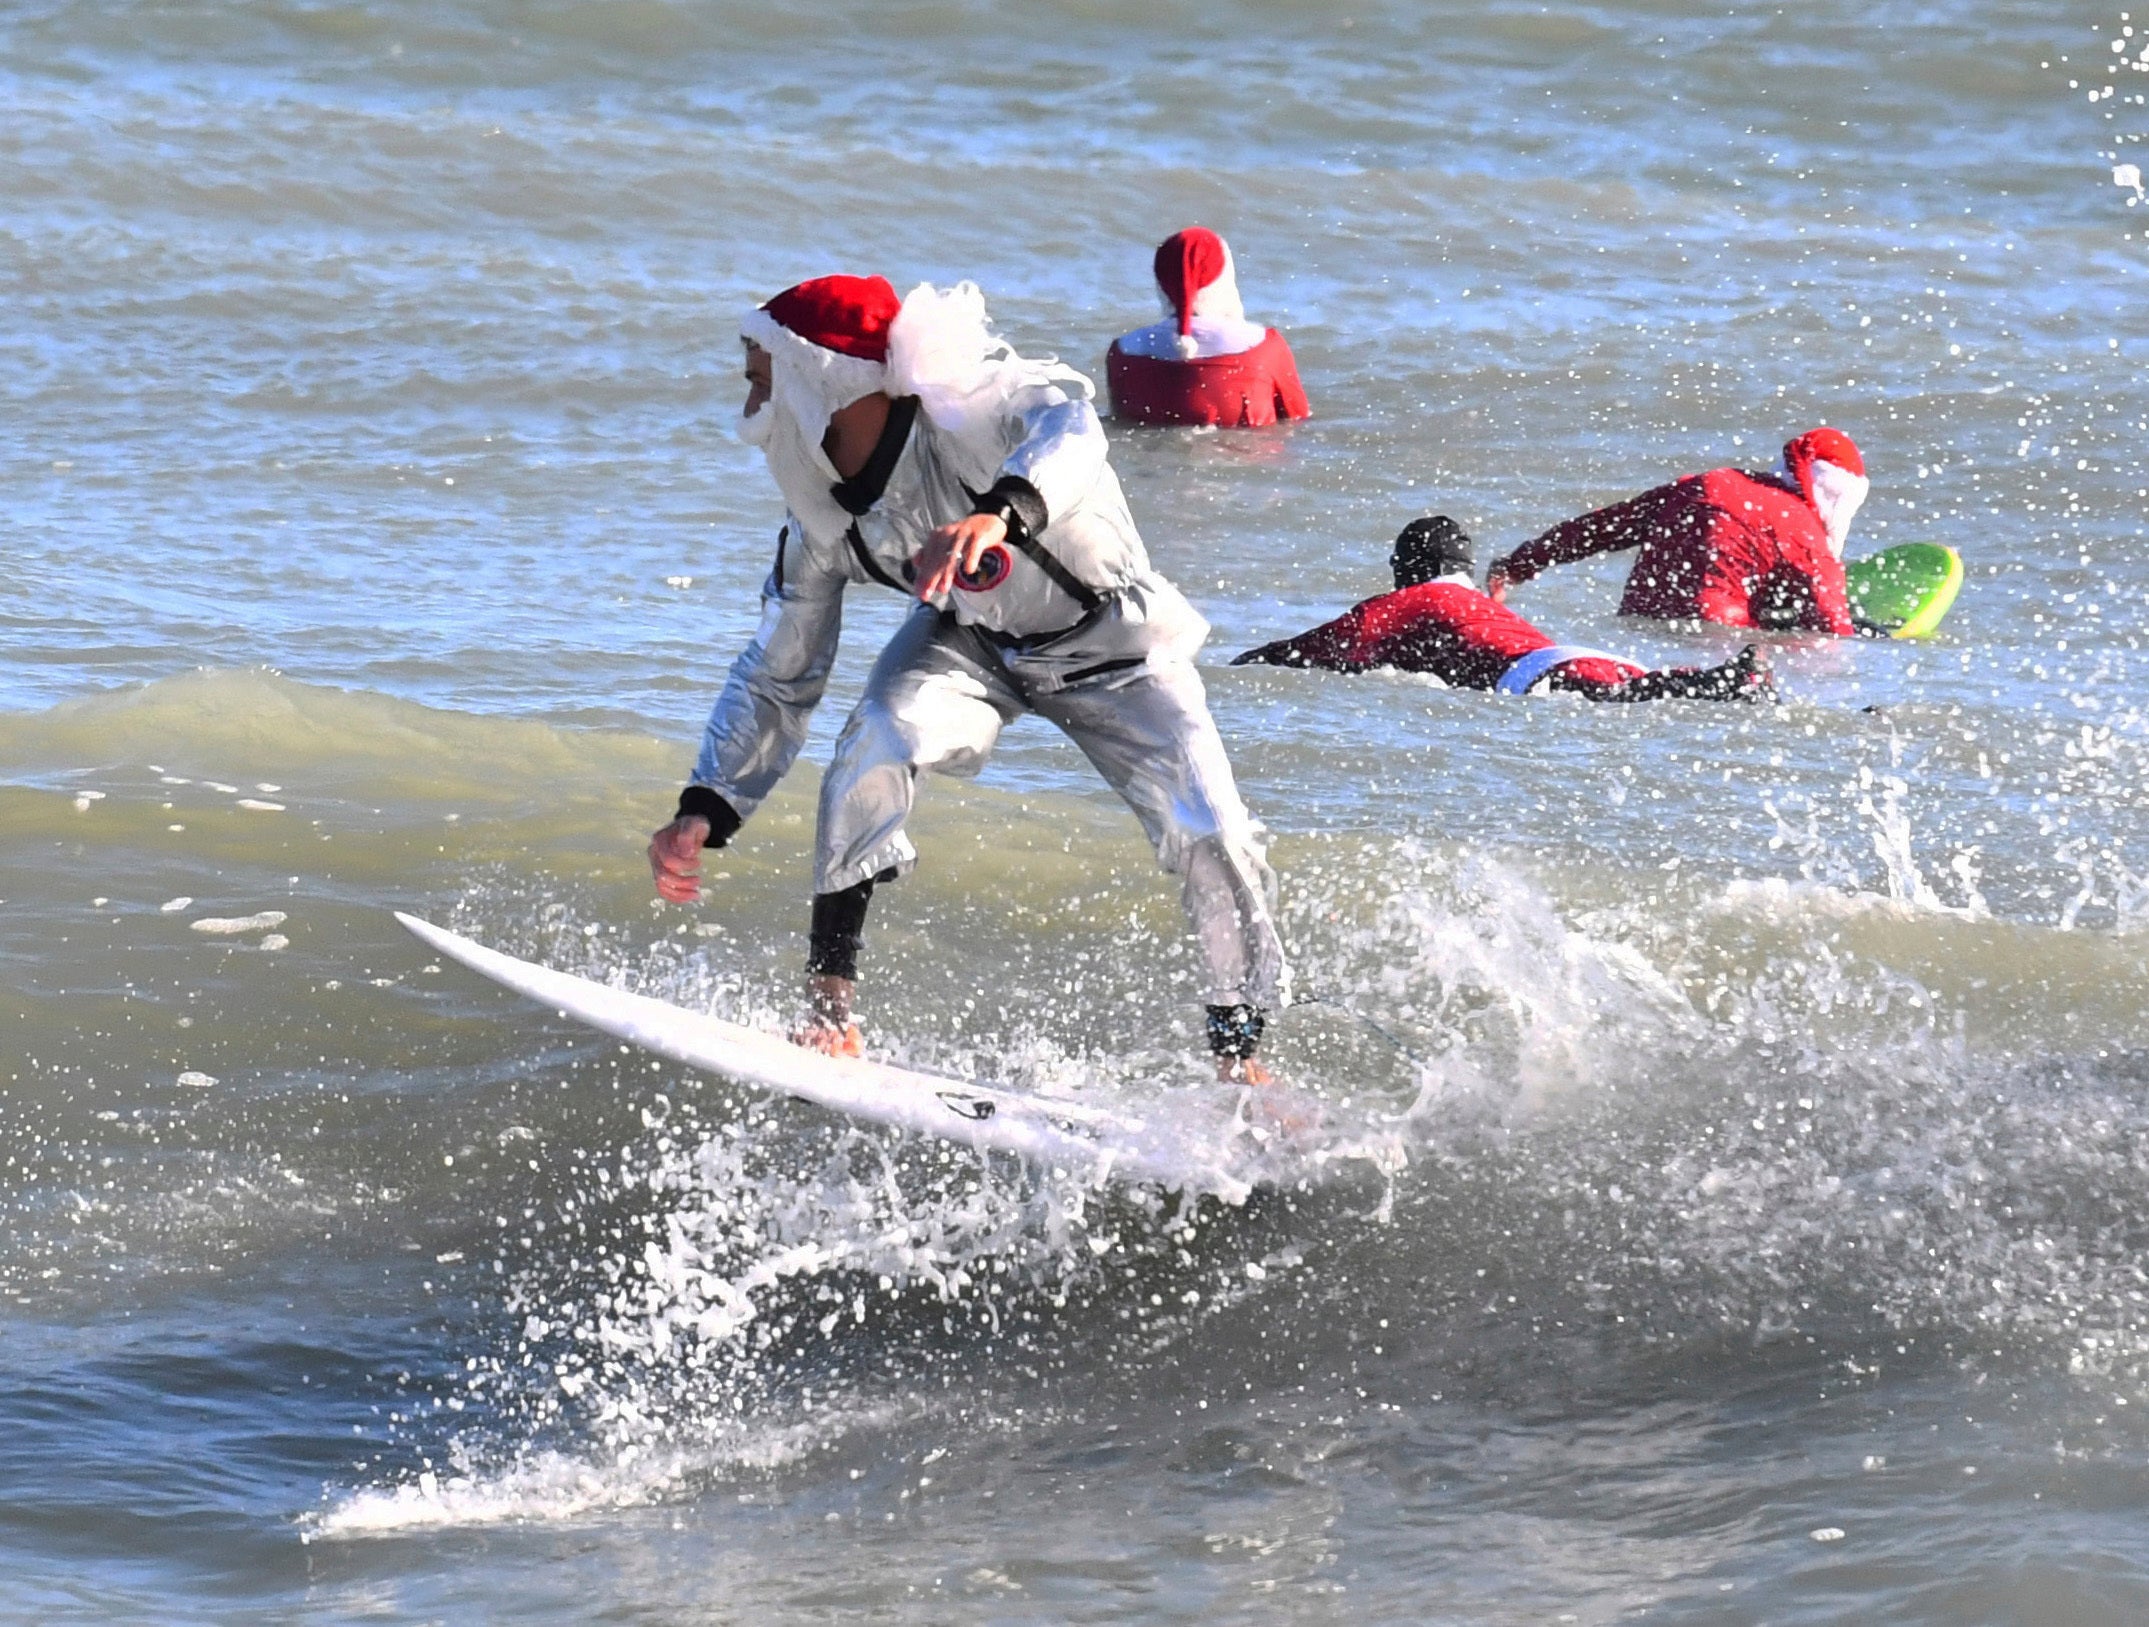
(1837, 495)
(801, 469)
(813, 384)
(755, 428)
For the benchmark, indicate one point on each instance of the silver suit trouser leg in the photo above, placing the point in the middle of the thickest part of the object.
(936, 700)
(1149, 733)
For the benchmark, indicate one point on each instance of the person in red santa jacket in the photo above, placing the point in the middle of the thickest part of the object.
(1436, 621)
(1204, 363)
(1743, 548)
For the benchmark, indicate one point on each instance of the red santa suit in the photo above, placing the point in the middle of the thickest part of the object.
(1449, 629)
(1205, 363)
(1746, 549)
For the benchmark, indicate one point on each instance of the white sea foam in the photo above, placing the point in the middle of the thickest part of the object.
(779, 1233)
(232, 926)
(1507, 1004)
(552, 1485)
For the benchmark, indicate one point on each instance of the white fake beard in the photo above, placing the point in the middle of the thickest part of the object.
(802, 470)
(755, 428)
(1837, 494)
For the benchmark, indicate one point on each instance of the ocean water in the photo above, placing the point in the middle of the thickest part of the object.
(1760, 1236)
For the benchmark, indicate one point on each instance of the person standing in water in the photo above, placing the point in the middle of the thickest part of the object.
(919, 453)
(1437, 622)
(1204, 363)
(1743, 548)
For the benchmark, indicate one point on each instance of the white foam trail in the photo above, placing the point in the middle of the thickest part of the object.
(553, 1485)
(708, 1330)
(232, 926)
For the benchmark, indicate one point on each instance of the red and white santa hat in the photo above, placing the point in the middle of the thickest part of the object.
(1196, 277)
(1830, 470)
(835, 339)
(827, 341)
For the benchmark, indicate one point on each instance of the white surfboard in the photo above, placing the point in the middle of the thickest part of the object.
(1089, 1142)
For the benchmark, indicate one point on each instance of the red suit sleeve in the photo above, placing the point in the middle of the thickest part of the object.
(1332, 645)
(1603, 531)
(1291, 399)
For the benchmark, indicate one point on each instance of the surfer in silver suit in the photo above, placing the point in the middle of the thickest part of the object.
(918, 453)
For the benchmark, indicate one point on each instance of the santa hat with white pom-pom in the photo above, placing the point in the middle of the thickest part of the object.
(1830, 470)
(1195, 276)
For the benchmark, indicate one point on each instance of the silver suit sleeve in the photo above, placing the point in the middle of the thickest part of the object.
(759, 722)
(1062, 447)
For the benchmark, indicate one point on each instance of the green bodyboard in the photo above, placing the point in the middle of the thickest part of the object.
(1907, 589)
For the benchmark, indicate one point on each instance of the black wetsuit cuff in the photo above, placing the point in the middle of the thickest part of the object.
(724, 819)
(838, 929)
(1018, 503)
(1235, 1031)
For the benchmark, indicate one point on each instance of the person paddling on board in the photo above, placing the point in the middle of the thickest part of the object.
(1436, 621)
(1739, 547)
(1204, 363)
(918, 452)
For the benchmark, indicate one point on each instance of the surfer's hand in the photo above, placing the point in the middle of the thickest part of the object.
(1496, 582)
(954, 548)
(675, 858)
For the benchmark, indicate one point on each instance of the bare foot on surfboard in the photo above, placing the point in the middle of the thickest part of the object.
(815, 1035)
(827, 1026)
(1272, 1107)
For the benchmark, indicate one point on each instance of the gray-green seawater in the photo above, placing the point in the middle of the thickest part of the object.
(1767, 1087)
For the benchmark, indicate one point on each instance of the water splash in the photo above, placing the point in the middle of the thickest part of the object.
(1681, 1117)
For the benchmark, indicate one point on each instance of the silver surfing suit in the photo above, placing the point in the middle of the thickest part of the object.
(1115, 674)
